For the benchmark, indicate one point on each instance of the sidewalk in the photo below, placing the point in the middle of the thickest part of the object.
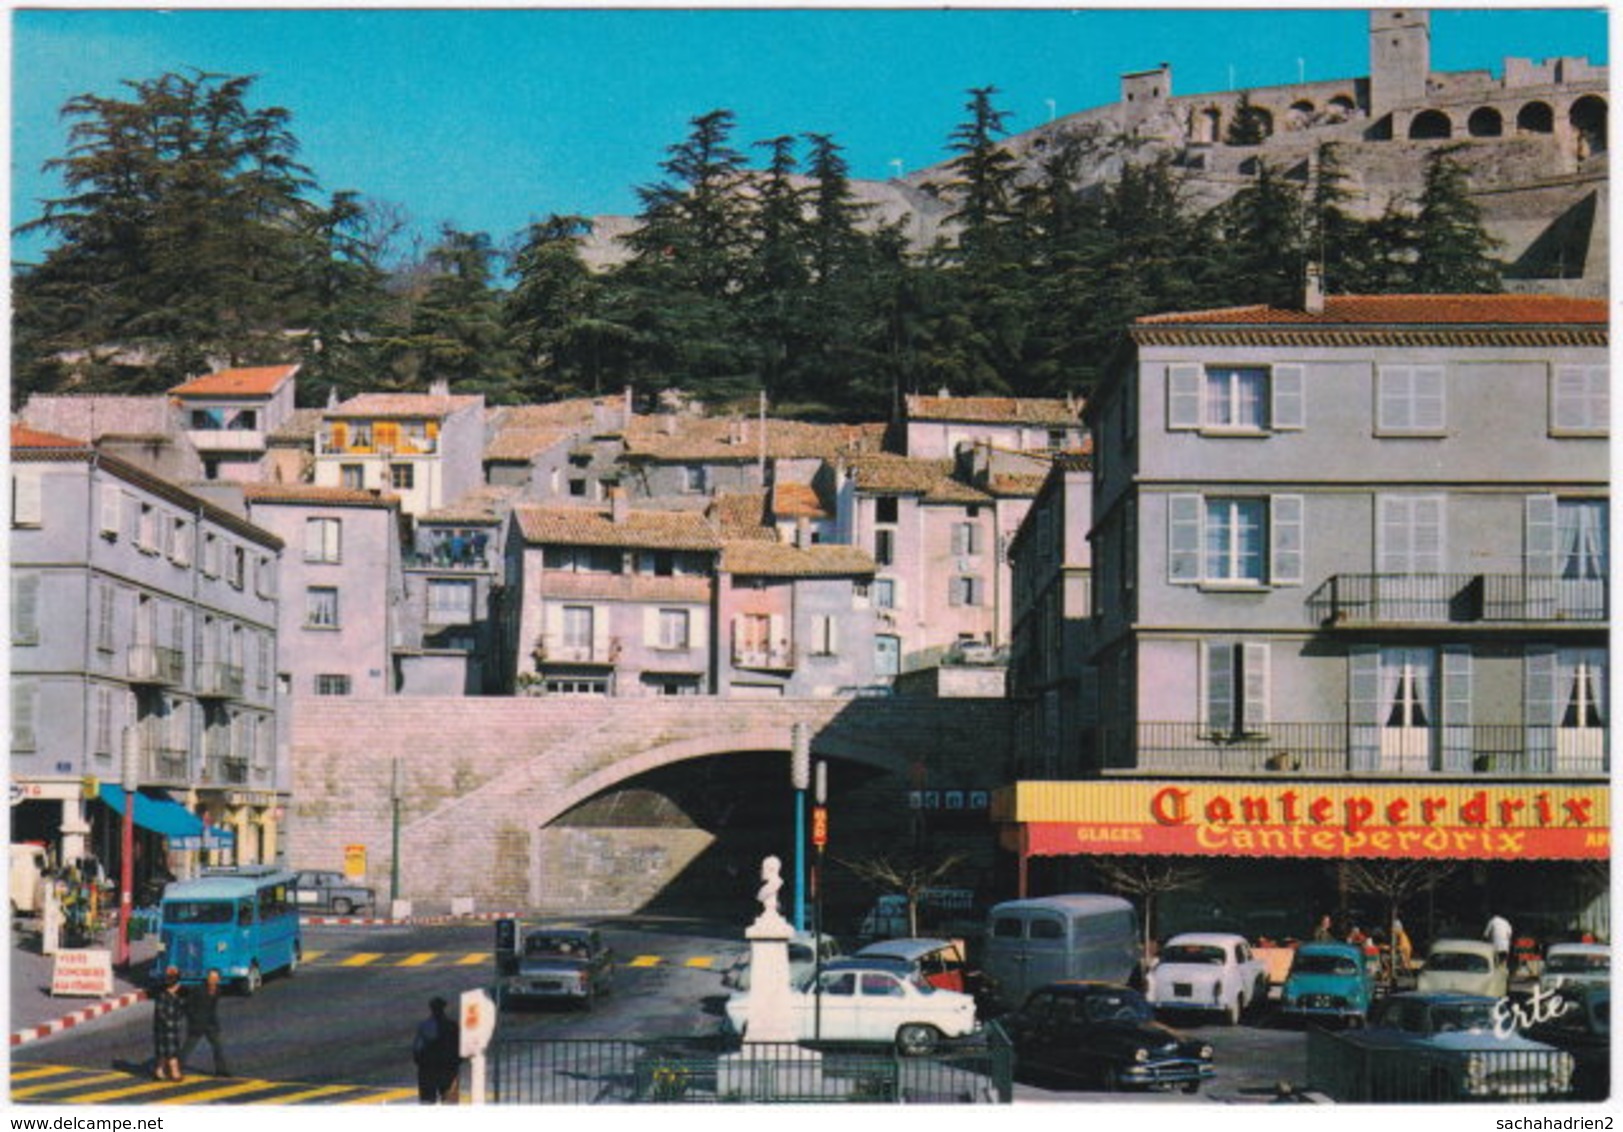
(32, 1005)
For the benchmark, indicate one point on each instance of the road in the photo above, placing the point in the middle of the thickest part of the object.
(347, 1018)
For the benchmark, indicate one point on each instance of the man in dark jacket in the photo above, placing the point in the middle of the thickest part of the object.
(203, 1021)
(437, 1050)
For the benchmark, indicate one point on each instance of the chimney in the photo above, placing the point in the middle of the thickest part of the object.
(630, 410)
(440, 387)
(802, 531)
(619, 506)
(1313, 289)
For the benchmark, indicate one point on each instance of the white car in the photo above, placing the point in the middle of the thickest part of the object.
(802, 960)
(1576, 964)
(1208, 971)
(1463, 966)
(870, 1001)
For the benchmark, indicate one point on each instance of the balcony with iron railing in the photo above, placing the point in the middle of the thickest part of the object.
(218, 680)
(153, 664)
(782, 657)
(556, 648)
(348, 444)
(162, 755)
(225, 771)
(1316, 750)
(1350, 601)
(226, 439)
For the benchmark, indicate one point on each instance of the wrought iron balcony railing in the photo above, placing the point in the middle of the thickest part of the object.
(151, 664)
(218, 680)
(781, 657)
(1356, 600)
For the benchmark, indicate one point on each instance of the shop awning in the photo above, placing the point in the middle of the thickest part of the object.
(184, 829)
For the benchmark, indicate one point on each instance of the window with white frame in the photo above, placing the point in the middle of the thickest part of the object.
(26, 510)
(1234, 540)
(1234, 398)
(966, 538)
(180, 542)
(577, 626)
(352, 476)
(1236, 700)
(402, 477)
(884, 593)
(323, 540)
(1409, 538)
(966, 589)
(321, 607)
(332, 684)
(238, 575)
(1580, 400)
(693, 479)
(1410, 400)
(146, 529)
(450, 600)
(673, 629)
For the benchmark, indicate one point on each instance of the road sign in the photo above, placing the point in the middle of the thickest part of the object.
(819, 826)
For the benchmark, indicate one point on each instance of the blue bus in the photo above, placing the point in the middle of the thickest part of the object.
(240, 921)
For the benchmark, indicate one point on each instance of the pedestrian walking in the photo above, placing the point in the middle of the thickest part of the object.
(168, 1027)
(437, 1050)
(203, 1021)
(1324, 932)
(1499, 934)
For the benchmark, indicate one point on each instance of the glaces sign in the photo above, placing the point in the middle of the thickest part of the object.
(1320, 820)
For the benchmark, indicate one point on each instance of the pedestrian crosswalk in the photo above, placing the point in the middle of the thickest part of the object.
(354, 959)
(38, 1084)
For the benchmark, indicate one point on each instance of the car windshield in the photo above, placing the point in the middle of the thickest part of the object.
(1462, 961)
(1116, 1008)
(555, 945)
(1311, 964)
(1576, 964)
(199, 912)
(1457, 1016)
(1193, 953)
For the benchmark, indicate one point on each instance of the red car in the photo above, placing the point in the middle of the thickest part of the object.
(939, 962)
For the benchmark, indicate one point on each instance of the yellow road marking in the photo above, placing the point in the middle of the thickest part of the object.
(322, 1091)
(701, 961)
(224, 1091)
(361, 958)
(472, 959)
(40, 1071)
(52, 1086)
(311, 956)
(418, 960)
(127, 1091)
(644, 961)
(384, 1097)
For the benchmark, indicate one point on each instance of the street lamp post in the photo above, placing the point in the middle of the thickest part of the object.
(819, 839)
(394, 836)
(129, 773)
(800, 779)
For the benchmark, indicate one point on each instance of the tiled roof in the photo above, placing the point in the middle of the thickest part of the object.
(315, 495)
(904, 475)
(24, 437)
(254, 381)
(1007, 485)
(95, 415)
(994, 410)
(781, 560)
(1404, 310)
(719, 439)
(741, 515)
(577, 526)
(554, 414)
(486, 504)
(374, 405)
(298, 431)
(792, 500)
(521, 444)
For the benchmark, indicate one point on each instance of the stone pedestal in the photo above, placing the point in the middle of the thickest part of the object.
(770, 1017)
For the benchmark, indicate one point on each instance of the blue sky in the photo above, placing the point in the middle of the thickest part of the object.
(492, 118)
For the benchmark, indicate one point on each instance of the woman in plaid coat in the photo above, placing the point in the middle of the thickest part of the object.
(168, 1027)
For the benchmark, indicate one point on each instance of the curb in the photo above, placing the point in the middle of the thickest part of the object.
(46, 1029)
(412, 921)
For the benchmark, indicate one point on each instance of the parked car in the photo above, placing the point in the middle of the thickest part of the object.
(1208, 971)
(940, 962)
(1329, 981)
(1104, 1035)
(323, 890)
(1047, 939)
(569, 964)
(1463, 966)
(1584, 964)
(866, 1000)
(804, 958)
(888, 915)
(1444, 1047)
(1583, 1028)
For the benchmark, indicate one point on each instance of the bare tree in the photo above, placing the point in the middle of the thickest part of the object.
(908, 875)
(1148, 878)
(1394, 882)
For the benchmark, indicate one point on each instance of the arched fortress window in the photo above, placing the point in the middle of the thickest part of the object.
(1588, 118)
(1430, 125)
(1343, 106)
(1209, 125)
(1535, 118)
(1301, 113)
(1485, 122)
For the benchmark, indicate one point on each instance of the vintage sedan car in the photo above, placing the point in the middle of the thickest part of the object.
(1580, 1023)
(1208, 971)
(1446, 1047)
(940, 962)
(1328, 981)
(1104, 1035)
(322, 890)
(571, 965)
(1582, 964)
(856, 1000)
(1463, 966)
(807, 952)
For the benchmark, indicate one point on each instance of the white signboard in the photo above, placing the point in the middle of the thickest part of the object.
(88, 973)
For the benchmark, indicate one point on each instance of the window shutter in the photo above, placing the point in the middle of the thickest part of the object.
(315, 541)
(778, 634)
(25, 609)
(699, 629)
(650, 627)
(181, 547)
(955, 591)
(1183, 395)
(553, 625)
(1364, 706)
(1569, 398)
(1429, 409)
(1183, 538)
(1288, 410)
(1540, 554)
(1394, 393)
(1254, 670)
(1285, 539)
(1428, 535)
(22, 717)
(112, 503)
(960, 539)
(25, 503)
(832, 638)
(1543, 696)
(1457, 739)
(1598, 397)
(1219, 661)
(600, 632)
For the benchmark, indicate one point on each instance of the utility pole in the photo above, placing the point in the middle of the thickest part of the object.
(819, 840)
(129, 778)
(394, 849)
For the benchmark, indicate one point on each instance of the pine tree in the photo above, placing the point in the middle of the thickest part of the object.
(1250, 124)
(1453, 254)
(457, 334)
(1262, 231)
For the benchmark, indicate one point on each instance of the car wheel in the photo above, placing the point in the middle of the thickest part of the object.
(342, 907)
(252, 981)
(916, 1039)
(1189, 1087)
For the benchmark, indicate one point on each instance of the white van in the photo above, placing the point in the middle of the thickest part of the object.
(1031, 943)
(29, 864)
